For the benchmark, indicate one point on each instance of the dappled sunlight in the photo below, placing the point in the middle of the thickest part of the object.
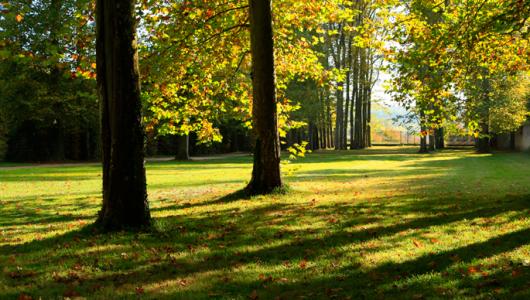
(432, 224)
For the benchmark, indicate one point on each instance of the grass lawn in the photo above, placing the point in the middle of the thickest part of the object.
(375, 224)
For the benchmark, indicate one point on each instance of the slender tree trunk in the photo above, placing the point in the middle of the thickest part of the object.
(366, 124)
(330, 125)
(344, 132)
(423, 137)
(368, 133)
(355, 84)
(183, 145)
(369, 84)
(339, 64)
(359, 105)
(266, 172)
(124, 184)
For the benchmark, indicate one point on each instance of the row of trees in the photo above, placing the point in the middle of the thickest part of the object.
(427, 83)
(206, 65)
(336, 106)
(463, 62)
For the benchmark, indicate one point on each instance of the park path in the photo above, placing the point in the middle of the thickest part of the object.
(149, 159)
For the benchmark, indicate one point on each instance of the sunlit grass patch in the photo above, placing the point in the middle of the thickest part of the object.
(380, 223)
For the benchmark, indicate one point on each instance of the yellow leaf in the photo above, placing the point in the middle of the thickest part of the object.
(19, 18)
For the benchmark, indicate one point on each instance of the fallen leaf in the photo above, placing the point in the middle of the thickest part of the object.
(303, 264)
(24, 297)
(417, 243)
(139, 290)
(183, 282)
(70, 294)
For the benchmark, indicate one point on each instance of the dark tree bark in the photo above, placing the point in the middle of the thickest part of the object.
(483, 142)
(183, 145)
(360, 122)
(124, 184)
(423, 144)
(266, 171)
(440, 143)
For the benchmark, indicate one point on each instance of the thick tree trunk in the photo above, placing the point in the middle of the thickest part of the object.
(440, 143)
(423, 144)
(483, 142)
(432, 142)
(124, 184)
(183, 145)
(266, 172)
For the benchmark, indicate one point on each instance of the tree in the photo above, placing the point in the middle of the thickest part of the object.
(452, 49)
(183, 142)
(266, 170)
(46, 80)
(124, 182)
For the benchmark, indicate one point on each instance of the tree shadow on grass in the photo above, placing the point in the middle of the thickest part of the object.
(310, 250)
(227, 241)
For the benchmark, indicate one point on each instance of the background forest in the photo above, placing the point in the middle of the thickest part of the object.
(458, 66)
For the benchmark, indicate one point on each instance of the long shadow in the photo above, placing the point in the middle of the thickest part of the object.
(260, 232)
(185, 233)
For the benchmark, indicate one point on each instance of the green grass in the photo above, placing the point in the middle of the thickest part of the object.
(378, 224)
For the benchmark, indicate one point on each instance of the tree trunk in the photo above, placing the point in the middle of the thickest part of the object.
(355, 84)
(330, 126)
(423, 137)
(483, 142)
(366, 116)
(423, 144)
(432, 141)
(339, 93)
(266, 172)
(440, 143)
(124, 184)
(347, 57)
(183, 145)
(359, 105)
